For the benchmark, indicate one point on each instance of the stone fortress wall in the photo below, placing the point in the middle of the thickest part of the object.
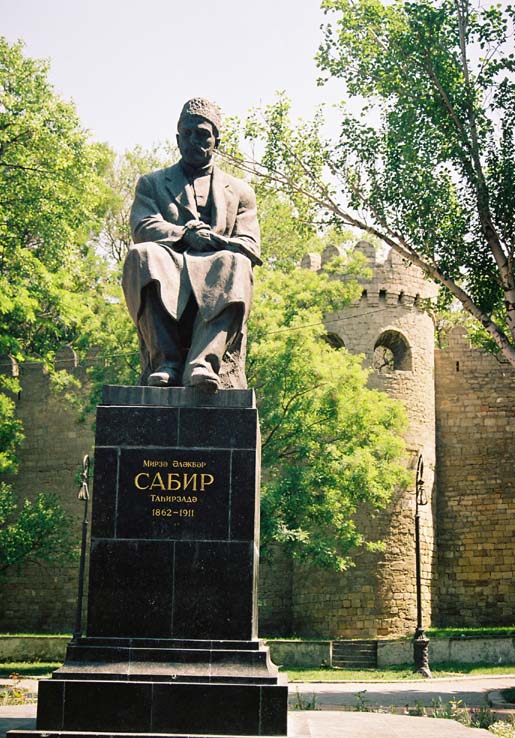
(40, 597)
(475, 431)
(461, 408)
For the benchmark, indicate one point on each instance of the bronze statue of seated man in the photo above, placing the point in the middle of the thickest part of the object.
(188, 278)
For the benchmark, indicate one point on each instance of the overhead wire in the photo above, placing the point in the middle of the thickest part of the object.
(288, 329)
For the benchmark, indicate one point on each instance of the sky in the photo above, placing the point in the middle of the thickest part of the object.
(129, 66)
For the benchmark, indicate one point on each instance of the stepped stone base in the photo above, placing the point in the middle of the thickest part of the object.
(163, 687)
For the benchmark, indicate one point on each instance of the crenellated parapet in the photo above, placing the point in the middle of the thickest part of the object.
(393, 279)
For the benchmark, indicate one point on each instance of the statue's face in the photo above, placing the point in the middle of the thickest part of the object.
(196, 140)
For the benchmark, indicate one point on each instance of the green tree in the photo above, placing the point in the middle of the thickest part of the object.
(11, 430)
(329, 444)
(428, 165)
(115, 235)
(37, 530)
(285, 238)
(52, 200)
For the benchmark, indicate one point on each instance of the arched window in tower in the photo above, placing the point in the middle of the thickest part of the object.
(392, 353)
(334, 340)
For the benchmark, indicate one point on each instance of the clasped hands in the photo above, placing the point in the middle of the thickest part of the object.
(197, 236)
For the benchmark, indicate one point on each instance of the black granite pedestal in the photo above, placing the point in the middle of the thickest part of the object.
(171, 646)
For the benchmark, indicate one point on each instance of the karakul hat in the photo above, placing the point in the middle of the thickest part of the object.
(205, 109)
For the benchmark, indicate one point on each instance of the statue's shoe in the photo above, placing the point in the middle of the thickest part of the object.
(204, 380)
(167, 375)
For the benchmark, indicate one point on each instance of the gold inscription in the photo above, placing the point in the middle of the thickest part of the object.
(173, 494)
(167, 512)
(173, 498)
(190, 464)
(173, 481)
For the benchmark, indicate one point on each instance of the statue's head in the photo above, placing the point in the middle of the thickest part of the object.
(198, 131)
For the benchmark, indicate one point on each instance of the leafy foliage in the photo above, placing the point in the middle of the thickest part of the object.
(52, 199)
(285, 238)
(111, 342)
(439, 168)
(37, 530)
(115, 236)
(502, 729)
(329, 444)
(11, 431)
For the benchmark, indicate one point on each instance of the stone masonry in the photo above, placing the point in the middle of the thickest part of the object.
(42, 597)
(475, 404)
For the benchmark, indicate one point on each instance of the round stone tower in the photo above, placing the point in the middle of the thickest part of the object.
(390, 326)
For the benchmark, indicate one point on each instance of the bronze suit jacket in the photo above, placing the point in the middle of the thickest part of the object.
(163, 204)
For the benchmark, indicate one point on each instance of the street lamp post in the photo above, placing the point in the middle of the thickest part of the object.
(420, 640)
(84, 496)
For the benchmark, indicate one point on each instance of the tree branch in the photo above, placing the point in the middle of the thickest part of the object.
(24, 168)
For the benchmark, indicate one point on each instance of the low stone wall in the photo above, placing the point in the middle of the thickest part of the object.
(494, 650)
(473, 650)
(391, 653)
(305, 654)
(313, 654)
(33, 648)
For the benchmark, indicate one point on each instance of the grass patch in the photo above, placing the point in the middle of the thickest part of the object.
(297, 639)
(28, 669)
(505, 630)
(35, 635)
(472, 669)
(394, 673)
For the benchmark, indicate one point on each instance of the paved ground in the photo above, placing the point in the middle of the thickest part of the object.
(322, 724)
(17, 717)
(472, 691)
(332, 721)
(332, 724)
